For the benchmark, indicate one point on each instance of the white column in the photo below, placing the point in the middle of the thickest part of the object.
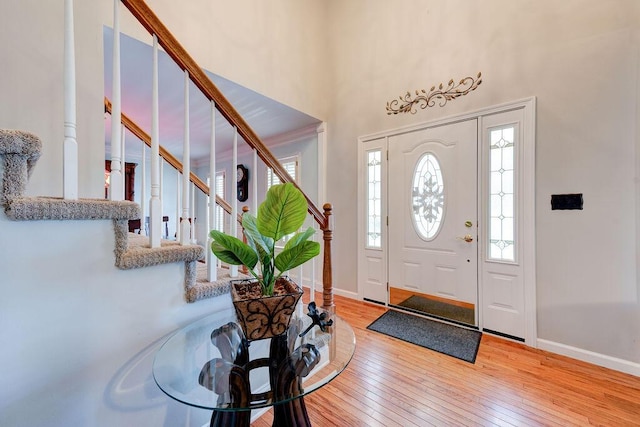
(234, 195)
(212, 270)
(116, 188)
(185, 225)
(155, 203)
(70, 145)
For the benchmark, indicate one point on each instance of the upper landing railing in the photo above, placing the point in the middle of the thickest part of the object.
(167, 156)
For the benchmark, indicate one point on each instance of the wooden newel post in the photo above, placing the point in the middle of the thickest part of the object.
(327, 277)
(243, 268)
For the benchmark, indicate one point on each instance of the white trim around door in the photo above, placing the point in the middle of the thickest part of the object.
(506, 286)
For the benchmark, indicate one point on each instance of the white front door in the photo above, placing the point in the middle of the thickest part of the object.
(475, 176)
(433, 219)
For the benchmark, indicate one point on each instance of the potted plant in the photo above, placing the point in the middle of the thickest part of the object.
(282, 213)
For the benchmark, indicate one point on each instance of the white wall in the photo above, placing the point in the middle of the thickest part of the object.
(31, 85)
(80, 335)
(580, 59)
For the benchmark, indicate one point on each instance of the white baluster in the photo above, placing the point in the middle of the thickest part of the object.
(253, 177)
(70, 145)
(178, 206)
(234, 193)
(185, 225)
(312, 282)
(143, 189)
(124, 160)
(155, 203)
(117, 179)
(212, 271)
(192, 209)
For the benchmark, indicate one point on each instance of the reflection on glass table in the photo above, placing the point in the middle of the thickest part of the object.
(209, 364)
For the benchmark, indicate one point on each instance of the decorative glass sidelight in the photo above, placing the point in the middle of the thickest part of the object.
(427, 196)
(502, 184)
(374, 199)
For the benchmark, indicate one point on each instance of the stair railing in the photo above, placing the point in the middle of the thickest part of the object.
(143, 136)
(195, 75)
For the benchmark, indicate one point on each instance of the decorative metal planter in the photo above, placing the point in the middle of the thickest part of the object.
(265, 316)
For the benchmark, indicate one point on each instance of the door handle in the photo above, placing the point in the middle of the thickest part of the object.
(467, 238)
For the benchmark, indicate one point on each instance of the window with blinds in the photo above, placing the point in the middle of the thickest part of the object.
(290, 164)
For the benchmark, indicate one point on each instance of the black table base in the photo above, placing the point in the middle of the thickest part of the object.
(287, 367)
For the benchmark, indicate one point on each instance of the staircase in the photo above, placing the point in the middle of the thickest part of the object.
(20, 151)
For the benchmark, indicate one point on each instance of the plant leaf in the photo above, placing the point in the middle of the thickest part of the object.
(254, 239)
(283, 211)
(300, 237)
(232, 250)
(297, 255)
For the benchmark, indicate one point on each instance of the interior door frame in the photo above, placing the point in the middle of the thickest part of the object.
(526, 177)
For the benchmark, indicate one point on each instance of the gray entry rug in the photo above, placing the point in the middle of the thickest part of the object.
(447, 339)
(439, 309)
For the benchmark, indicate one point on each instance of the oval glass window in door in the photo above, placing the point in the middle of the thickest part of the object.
(427, 197)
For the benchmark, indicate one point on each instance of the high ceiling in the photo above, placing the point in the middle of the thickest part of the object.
(268, 118)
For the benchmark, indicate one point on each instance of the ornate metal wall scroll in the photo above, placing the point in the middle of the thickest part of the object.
(424, 99)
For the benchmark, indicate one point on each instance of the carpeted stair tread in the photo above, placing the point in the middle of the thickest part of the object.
(19, 151)
(203, 289)
(169, 251)
(52, 208)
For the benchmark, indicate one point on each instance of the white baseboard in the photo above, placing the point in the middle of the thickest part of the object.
(336, 291)
(603, 360)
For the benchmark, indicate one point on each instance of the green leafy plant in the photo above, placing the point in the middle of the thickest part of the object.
(283, 212)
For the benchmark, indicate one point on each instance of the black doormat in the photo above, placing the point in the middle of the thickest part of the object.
(440, 309)
(447, 339)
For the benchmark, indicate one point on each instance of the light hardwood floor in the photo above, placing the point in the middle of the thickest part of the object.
(393, 383)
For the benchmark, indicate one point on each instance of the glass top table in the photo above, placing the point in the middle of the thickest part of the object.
(208, 364)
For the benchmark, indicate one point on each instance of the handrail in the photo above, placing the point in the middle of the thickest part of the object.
(141, 11)
(170, 158)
